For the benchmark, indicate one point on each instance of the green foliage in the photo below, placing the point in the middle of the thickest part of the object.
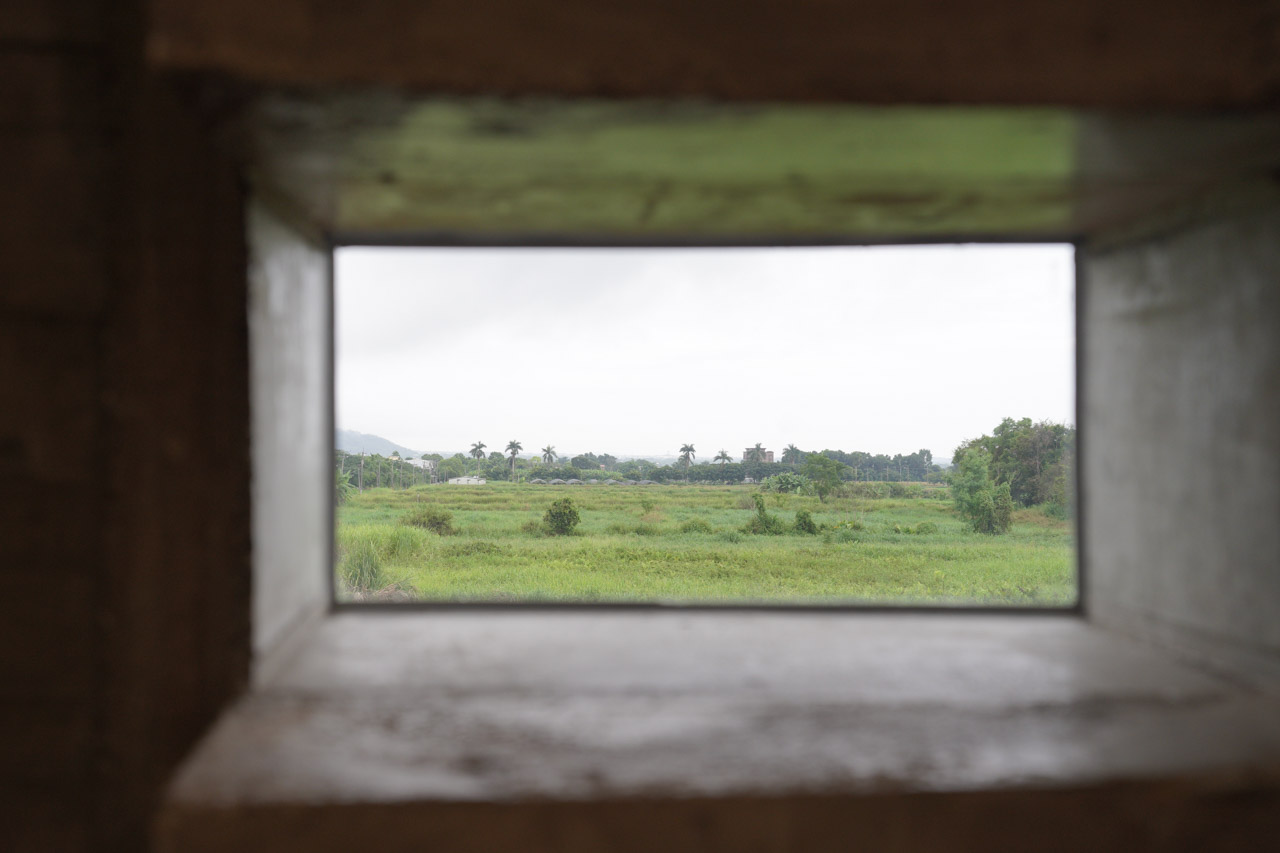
(823, 473)
(561, 517)
(804, 522)
(785, 483)
(763, 522)
(342, 488)
(856, 554)
(430, 517)
(1002, 510)
(1034, 459)
(361, 568)
(988, 508)
(696, 525)
(647, 505)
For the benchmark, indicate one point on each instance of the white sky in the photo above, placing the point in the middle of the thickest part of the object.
(637, 351)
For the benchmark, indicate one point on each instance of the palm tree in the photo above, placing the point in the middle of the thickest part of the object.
(514, 447)
(686, 456)
(792, 455)
(549, 454)
(756, 454)
(477, 450)
(724, 459)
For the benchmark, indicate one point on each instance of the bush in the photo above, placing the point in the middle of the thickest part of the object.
(431, 518)
(534, 526)
(926, 527)
(469, 549)
(763, 523)
(361, 568)
(784, 483)
(696, 525)
(561, 518)
(989, 508)
(804, 522)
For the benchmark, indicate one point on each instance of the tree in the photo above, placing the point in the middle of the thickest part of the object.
(756, 454)
(687, 455)
(824, 474)
(561, 517)
(342, 487)
(792, 455)
(1034, 459)
(724, 459)
(477, 450)
(549, 454)
(986, 506)
(514, 447)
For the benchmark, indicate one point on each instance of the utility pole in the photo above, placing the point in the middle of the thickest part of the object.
(360, 480)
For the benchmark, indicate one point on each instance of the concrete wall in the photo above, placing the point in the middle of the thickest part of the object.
(124, 376)
(124, 513)
(289, 317)
(1181, 432)
(53, 299)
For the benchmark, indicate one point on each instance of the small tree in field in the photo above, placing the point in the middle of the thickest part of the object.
(561, 517)
(989, 508)
(823, 473)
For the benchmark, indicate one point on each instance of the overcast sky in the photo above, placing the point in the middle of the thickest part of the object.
(637, 351)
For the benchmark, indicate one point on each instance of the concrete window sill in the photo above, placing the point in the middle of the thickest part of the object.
(617, 731)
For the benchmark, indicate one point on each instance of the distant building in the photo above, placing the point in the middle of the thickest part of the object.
(467, 481)
(746, 455)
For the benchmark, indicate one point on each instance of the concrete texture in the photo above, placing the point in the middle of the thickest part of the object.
(1184, 54)
(1181, 403)
(289, 332)
(379, 166)
(415, 712)
(124, 435)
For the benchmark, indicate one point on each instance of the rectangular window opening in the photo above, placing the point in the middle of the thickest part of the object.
(775, 426)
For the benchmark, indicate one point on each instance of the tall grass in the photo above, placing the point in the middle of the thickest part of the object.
(685, 543)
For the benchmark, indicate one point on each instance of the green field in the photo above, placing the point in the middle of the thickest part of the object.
(684, 544)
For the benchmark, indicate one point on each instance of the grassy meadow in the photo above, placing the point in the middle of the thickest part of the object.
(685, 543)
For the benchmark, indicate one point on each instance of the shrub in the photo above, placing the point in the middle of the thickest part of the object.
(804, 522)
(468, 549)
(647, 506)
(989, 508)
(763, 522)
(430, 517)
(646, 530)
(534, 526)
(784, 483)
(561, 517)
(696, 525)
(730, 536)
(926, 527)
(361, 568)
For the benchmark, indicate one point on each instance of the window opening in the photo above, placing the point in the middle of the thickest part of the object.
(833, 425)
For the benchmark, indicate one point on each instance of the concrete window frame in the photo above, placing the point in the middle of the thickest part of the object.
(1075, 608)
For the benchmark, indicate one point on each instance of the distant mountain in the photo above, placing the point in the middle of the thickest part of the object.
(362, 442)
